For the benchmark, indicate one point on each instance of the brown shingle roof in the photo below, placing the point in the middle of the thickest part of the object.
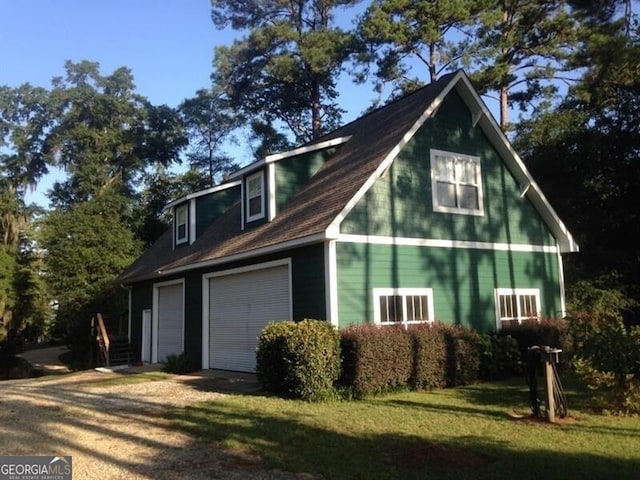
(314, 207)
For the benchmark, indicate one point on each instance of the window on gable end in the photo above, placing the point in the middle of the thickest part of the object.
(181, 218)
(456, 183)
(255, 196)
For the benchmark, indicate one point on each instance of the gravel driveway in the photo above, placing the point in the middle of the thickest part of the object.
(119, 431)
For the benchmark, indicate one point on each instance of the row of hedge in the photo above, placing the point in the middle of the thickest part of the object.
(309, 359)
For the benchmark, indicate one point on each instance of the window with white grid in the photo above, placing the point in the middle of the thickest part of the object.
(456, 183)
(516, 305)
(402, 306)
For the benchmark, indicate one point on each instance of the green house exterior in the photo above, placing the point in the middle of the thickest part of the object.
(418, 212)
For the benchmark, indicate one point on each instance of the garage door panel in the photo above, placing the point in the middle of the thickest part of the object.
(240, 305)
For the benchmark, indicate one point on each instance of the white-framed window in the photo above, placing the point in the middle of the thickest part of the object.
(516, 305)
(402, 306)
(255, 196)
(182, 219)
(456, 183)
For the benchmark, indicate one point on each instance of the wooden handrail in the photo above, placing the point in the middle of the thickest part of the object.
(102, 335)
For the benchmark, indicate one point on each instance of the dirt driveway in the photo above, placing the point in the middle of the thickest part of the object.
(119, 431)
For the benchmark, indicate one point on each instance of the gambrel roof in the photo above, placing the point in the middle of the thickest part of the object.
(368, 147)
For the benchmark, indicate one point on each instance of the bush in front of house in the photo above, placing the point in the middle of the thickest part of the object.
(463, 355)
(179, 364)
(607, 358)
(429, 356)
(375, 359)
(499, 357)
(549, 332)
(299, 359)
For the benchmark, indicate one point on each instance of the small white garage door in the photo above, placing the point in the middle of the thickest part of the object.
(240, 305)
(170, 320)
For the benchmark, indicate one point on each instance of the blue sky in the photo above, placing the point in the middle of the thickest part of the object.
(168, 44)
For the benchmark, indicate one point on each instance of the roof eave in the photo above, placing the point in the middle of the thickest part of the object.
(515, 164)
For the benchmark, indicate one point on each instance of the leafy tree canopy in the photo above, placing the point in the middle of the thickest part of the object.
(285, 70)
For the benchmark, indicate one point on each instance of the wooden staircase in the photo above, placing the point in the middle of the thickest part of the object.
(114, 349)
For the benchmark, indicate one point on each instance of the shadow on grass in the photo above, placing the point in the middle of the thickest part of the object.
(294, 438)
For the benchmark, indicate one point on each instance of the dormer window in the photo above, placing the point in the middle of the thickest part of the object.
(255, 196)
(181, 218)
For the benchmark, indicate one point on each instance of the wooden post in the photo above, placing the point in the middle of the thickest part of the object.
(548, 387)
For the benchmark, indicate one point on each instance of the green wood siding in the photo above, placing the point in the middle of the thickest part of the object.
(463, 280)
(294, 173)
(210, 207)
(400, 203)
(141, 299)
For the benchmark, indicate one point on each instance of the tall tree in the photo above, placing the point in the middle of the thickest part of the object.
(209, 124)
(586, 156)
(521, 47)
(87, 246)
(285, 69)
(402, 33)
(105, 133)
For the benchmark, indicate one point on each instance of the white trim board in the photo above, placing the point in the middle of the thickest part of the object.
(217, 188)
(298, 242)
(428, 242)
(290, 153)
(334, 227)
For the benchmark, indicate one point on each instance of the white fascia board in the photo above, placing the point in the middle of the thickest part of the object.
(290, 153)
(215, 189)
(515, 164)
(334, 227)
(298, 242)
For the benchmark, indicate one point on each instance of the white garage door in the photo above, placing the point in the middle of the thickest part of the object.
(170, 320)
(240, 305)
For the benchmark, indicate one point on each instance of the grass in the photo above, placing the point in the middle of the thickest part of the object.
(120, 379)
(128, 379)
(473, 432)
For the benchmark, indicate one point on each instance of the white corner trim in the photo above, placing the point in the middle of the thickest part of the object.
(563, 303)
(391, 156)
(428, 242)
(271, 192)
(205, 323)
(331, 282)
(192, 220)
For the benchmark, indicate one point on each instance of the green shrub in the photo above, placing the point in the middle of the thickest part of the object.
(375, 359)
(299, 359)
(179, 364)
(463, 355)
(499, 357)
(429, 356)
(549, 332)
(607, 358)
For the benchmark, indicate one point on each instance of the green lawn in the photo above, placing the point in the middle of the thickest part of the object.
(473, 432)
